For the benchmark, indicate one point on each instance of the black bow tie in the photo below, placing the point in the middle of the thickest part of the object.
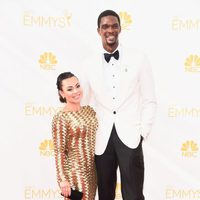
(108, 56)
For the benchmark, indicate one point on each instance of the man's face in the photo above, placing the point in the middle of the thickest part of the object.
(109, 30)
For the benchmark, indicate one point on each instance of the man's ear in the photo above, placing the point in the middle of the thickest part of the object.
(120, 29)
(98, 31)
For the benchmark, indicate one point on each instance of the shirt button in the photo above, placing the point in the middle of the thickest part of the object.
(114, 112)
(113, 75)
(113, 86)
(113, 98)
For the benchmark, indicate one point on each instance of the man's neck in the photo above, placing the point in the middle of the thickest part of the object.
(110, 49)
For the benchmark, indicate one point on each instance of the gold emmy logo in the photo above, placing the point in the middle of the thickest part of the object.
(118, 191)
(41, 193)
(189, 149)
(192, 63)
(126, 20)
(181, 193)
(30, 19)
(48, 61)
(183, 24)
(183, 112)
(32, 109)
(46, 148)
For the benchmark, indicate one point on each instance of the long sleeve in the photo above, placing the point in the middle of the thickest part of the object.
(148, 98)
(59, 132)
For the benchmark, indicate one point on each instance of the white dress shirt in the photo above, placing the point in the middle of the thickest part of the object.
(111, 72)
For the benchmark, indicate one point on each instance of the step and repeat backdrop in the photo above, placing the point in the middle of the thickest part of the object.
(41, 39)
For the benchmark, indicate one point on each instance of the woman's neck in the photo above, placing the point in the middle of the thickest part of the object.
(72, 107)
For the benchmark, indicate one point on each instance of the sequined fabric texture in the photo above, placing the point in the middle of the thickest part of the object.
(74, 144)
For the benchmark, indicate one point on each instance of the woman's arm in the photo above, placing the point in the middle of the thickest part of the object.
(59, 132)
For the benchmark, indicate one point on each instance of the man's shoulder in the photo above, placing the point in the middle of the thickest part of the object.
(133, 51)
(94, 57)
(92, 62)
(132, 55)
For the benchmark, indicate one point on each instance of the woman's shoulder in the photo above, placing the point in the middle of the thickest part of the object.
(89, 108)
(58, 115)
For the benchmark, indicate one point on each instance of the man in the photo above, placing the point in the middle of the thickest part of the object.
(121, 85)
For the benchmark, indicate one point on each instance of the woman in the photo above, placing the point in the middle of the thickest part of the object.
(74, 129)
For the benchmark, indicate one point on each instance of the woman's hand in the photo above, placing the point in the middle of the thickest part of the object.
(65, 188)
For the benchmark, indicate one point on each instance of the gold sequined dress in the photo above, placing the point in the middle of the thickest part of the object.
(74, 135)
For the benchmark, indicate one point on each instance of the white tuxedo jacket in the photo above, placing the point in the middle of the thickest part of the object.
(135, 103)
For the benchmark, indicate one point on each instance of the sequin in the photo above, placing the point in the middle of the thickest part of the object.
(74, 136)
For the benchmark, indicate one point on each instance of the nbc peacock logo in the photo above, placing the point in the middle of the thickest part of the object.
(192, 63)
(126, 20)
(48, 61)
(189, 149)
(46, 148)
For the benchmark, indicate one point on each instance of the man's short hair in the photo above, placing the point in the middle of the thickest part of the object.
(107, 13)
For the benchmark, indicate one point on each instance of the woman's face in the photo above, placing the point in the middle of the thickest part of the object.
(71, 90)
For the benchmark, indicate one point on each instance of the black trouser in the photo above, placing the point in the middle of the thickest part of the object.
(131, 166)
